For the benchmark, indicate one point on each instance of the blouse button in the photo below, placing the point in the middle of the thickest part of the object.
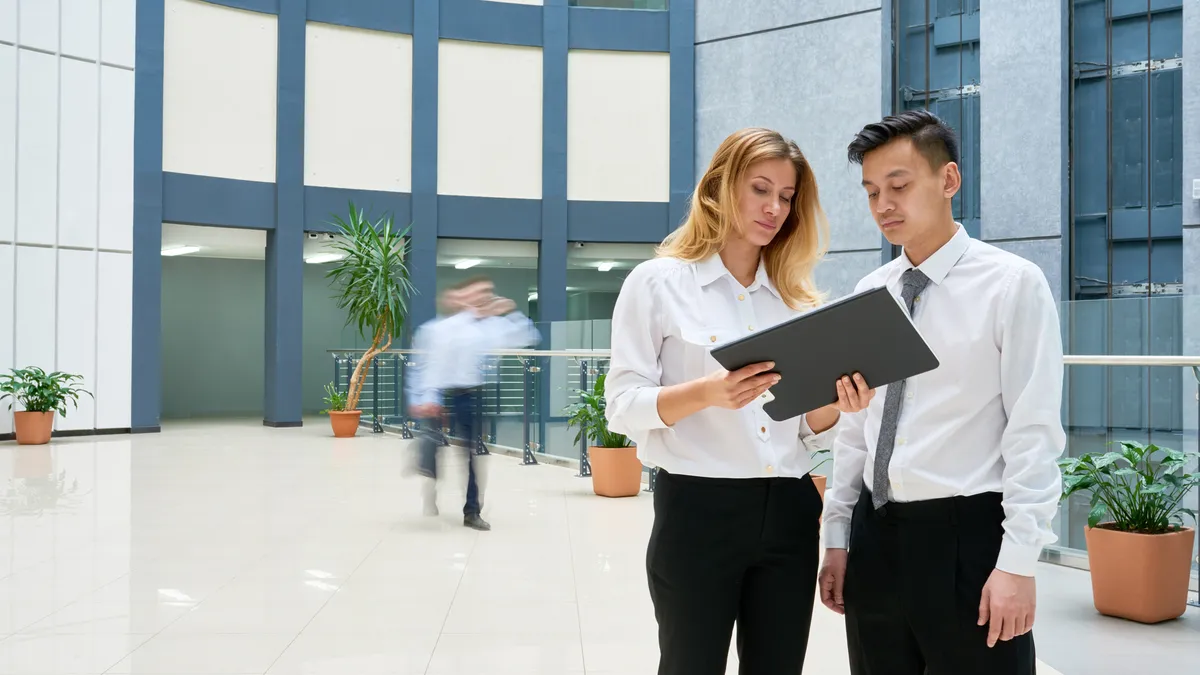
(741, 297)
(712, 338)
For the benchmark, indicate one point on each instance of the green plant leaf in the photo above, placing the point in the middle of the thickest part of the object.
(1099, 510)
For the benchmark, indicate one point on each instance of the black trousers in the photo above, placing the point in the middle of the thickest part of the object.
(914, 579)
(733, 551)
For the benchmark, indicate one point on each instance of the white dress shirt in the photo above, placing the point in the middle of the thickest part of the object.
(451, 351)
(668, 317)
(988, 418)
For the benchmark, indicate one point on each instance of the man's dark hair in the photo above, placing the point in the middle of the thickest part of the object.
(933, 138)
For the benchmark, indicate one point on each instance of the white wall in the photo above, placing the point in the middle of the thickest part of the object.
(618, 126)
(219, 82)
(489, 120)
(66, 198)
(364, 144)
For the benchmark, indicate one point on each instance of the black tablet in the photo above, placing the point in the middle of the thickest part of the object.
(868, 332)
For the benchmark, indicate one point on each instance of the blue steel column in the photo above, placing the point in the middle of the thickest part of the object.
(422, 263)
(146, 364)
(552, 252)
(282, 388)
(683, 107)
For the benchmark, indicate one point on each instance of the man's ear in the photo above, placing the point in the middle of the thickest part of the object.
(951, 180)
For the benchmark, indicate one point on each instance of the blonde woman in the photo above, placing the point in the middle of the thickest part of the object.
(735, 536)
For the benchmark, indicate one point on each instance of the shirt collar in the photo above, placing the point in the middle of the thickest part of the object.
(712, 268)
(938, 265)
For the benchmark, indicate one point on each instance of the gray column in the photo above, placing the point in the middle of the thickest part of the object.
(146, 384)
(552, 249)
(1191, 206)
(811, 70)
(284, 332)
(1023, 131)
(422, 262)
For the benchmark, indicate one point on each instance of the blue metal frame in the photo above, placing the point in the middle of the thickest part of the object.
(287, 207)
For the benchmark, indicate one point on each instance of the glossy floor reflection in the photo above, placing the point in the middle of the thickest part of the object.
(231, 548)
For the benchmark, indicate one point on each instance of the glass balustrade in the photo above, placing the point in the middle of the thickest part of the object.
(1145, 397)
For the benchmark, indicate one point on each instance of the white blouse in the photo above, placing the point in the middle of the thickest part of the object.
(668, 316)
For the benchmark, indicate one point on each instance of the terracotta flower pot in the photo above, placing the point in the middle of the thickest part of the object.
(616, 472)
(33, 428)
(1142, 577)
(344, 423)
(819, 481)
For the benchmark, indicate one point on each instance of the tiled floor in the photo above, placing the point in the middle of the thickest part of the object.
(237, 549)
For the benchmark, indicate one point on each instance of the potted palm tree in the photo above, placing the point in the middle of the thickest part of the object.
(371, 284)
(1138, 549)
(41, 394)
(616, 469)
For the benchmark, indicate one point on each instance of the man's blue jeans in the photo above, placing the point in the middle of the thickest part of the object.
(464, 423)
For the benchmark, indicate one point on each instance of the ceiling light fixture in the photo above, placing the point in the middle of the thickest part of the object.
(606, 266)
(323, 258)
(466, 264)
(180, 250)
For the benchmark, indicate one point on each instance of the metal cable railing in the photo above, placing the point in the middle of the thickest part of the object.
(526, 390)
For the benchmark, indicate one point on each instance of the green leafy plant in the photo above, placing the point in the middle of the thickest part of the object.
(336, 400)
(1138, 489)
(39, 391)
(588, 416)
(823, 454)
(372, 285)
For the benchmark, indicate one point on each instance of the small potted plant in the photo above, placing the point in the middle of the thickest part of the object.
(1138, 549)
(345, 424)
(616, 469)
(41, 394)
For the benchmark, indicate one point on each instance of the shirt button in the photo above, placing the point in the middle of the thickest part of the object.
(901, 441)
(750, 327)
(761, 429)
(741, 297)
(770, 469)
(712, 338)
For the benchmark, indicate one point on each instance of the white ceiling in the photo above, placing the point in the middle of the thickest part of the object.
(226, 242)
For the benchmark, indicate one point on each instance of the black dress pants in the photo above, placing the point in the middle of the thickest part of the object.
(733, 551)
(914, 578)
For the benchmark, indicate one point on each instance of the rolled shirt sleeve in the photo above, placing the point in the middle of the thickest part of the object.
(635, 372)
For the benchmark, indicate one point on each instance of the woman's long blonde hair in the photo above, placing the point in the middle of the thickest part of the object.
(800, 244)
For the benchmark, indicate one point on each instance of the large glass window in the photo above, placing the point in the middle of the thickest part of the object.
(937, 67)
(1126, 224)
(511, 265)
(595, 273)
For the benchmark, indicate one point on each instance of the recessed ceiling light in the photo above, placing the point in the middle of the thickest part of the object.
(606, 266)
(466, 264)
(180, 250)
(323, 258)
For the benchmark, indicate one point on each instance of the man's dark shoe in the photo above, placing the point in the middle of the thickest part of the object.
(476, 523)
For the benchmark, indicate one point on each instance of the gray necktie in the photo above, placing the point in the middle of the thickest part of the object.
(914, 281)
